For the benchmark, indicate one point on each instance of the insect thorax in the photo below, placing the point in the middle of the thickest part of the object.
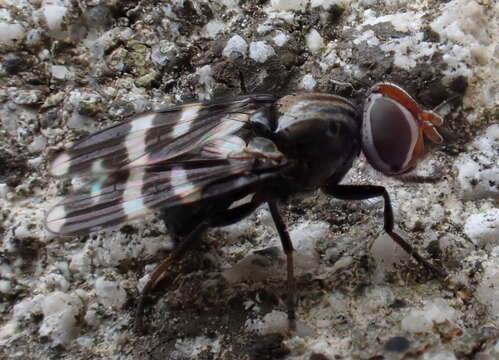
(322, 133)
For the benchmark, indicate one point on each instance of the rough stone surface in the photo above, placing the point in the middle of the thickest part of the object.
(69, 68)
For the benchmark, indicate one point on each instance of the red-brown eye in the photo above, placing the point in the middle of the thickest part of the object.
(392, 129)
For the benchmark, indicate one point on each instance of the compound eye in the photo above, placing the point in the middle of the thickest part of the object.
(391, 136)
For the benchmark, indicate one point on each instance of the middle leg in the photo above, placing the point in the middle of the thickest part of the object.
(287, 245)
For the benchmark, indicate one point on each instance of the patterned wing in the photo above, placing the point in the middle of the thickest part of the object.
(159, 136)
(208, 166)
(222, 166)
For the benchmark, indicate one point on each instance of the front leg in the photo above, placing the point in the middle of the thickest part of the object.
(364, 192)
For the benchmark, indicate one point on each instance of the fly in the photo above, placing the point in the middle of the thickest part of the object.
(194, 162)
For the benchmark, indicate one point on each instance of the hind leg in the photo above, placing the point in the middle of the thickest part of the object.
(226, 217)
(160, 270)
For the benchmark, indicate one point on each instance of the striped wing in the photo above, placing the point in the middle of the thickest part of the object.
(128, 194)
(159, 136)
(138, 172)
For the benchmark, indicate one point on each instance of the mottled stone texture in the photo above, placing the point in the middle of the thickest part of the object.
(68, 68)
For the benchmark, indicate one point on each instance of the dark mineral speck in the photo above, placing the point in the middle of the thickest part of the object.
(13, 64)
(268, 347)
(459, 84)
(398, 304)
(317, 356)
(397, 344)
